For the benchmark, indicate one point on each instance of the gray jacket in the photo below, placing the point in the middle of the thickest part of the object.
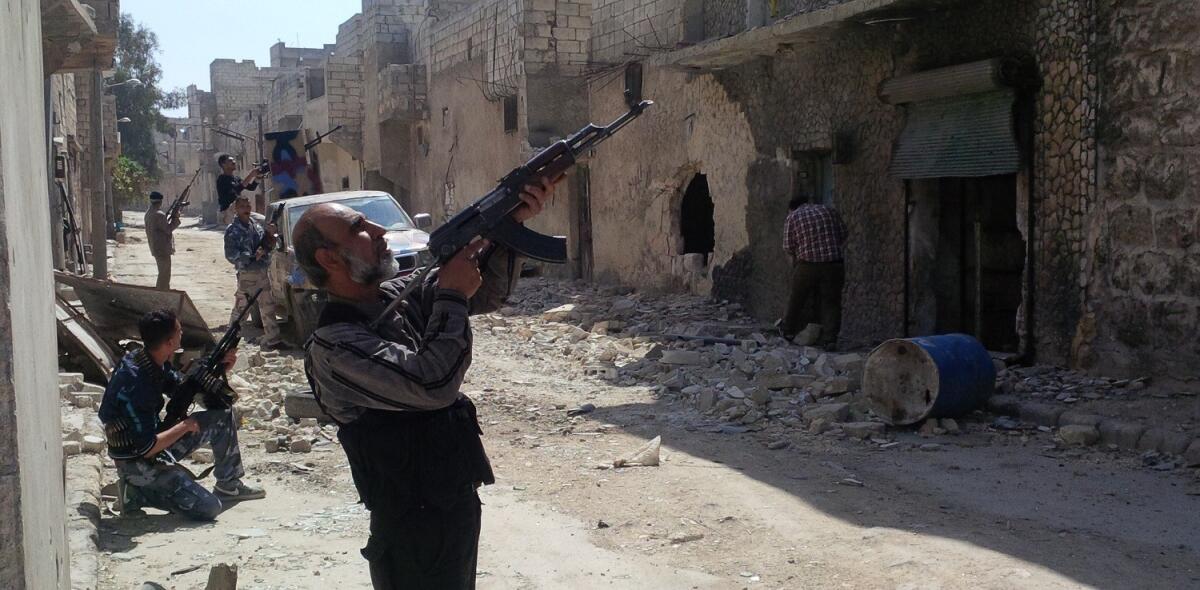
(417, 359)
(160, 232)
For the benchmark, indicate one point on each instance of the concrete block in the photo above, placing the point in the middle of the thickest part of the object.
(863, 430)
(1043, 414)
(299, 405)
(1191, 456)
(681, 357)
(1120, 433)
(1079, 434)
(75, 380)
(1007, 405)
(830, 412)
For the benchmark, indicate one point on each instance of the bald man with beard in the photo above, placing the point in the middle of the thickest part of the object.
(412, 439)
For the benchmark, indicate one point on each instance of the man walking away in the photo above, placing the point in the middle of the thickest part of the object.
(146, 458)
(814, 238)
(245, 249)
(230, 187)
(160, 237)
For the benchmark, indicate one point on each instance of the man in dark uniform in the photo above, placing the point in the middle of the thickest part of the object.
(230, 187)
(144, 456)
(411, 437)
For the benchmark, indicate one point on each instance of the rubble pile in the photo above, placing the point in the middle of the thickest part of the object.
(81, 430)
(709, 355)
(262, 386)
(1064, 385)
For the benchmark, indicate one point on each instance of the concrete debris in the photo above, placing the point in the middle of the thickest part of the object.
(681, 357)
(71, 448)
(300, 446)
(863, 430)
(808, 336)
(94, 444)
(1078, 434)
(685, 537)
(646, 456)
(835, 412)
(202, 456)
(222, 576)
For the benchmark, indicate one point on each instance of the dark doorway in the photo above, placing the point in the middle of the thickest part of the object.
(980, 256)
(696, 218)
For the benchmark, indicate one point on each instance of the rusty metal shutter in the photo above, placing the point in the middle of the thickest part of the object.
(961, 136)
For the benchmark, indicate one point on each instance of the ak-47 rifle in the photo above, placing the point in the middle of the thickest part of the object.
(268, 240)
(320, 137)
(491, 216)
(207, 377)
(181, 201)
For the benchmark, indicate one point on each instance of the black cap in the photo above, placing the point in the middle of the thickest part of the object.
(156, 196)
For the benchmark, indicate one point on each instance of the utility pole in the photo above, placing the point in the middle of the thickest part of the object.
(98, 204)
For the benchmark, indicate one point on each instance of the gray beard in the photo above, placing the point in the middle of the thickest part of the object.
(371, 273)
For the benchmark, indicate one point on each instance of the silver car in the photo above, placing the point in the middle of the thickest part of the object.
(298, 299)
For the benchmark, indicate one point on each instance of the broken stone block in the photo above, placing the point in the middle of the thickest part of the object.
(74, 380)
(93, 444)
(837, 386)
(1122, 434)
(950, 425)
(751, 417)
(694, 263)
(560, 314)
(930, 428)
(849, 363)
(66, 391)
(863, 430)
(837, 412)
(222, 576)
(706, 400)
(681, 357)
(300, 445)
(202, 456)
(760, 395)
(71, 447)
(1078, 434)
(299, 405)
(818, 426)
(1191, 457)
(607, 326)
(83, 400)
(272, 445)
(623, 305)
(808, 336)
(735, 392)
(91, 388)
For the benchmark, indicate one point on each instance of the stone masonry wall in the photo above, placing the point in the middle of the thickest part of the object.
(632, 29)
(344, 93)
(489, 32)
(287, 99)
(1144, 272)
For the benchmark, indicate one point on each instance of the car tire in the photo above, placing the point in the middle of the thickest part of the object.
(306, 310)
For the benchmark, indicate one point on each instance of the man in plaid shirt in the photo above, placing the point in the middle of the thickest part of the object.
(814, 238)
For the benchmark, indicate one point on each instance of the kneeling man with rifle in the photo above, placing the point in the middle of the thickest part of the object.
(146, 449)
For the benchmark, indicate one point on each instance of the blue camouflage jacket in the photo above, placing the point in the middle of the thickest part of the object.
(131, 403)
(241, 241)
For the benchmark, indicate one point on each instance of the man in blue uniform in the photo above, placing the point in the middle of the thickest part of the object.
(144, 456)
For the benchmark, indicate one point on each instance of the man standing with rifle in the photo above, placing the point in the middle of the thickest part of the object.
(160, 231)
(248, 245)
(160, 236)
(389, 355)
(146, 450)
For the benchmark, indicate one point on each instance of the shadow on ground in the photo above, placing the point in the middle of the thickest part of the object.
(1101, 523)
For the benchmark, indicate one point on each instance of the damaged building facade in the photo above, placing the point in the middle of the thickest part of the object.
(989, 185)
(1014, 170)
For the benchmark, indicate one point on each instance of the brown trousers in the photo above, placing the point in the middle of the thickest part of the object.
(164, 272)
(816, 298)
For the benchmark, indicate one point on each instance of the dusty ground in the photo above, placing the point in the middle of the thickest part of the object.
(981, 510)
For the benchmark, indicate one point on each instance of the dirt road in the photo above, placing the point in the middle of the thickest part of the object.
(978, 510)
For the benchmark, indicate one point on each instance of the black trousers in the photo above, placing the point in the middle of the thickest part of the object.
(816, 285)
(425, 548)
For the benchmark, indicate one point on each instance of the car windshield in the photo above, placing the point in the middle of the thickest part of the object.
(380, 209)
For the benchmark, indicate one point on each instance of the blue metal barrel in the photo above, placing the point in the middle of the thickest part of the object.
(909, 380)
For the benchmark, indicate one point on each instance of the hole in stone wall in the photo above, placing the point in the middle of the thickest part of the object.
(696, 221)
